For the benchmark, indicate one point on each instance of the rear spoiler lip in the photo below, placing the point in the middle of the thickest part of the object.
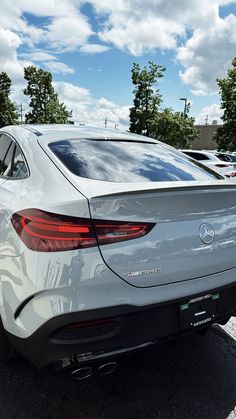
(170, 188)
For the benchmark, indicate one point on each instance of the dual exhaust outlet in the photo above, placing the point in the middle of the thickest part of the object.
(86, 372)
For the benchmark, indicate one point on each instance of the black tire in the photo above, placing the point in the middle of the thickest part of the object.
(6, 350)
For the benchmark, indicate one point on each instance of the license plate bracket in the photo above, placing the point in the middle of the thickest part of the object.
(199, 311)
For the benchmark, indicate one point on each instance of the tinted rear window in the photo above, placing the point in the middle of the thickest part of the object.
(123, 161)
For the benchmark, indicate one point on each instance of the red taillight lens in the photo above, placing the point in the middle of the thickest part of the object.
(46, 232)
(112, 231)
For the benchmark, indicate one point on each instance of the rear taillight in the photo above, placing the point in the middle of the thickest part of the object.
(116, 231)
(47, 232)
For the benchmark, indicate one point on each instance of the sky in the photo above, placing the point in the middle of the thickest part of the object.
(90, 47)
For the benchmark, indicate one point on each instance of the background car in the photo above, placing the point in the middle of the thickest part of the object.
(213, 161)
(110, 242)
(227, 157)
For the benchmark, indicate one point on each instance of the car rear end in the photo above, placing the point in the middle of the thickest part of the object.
(151, 257)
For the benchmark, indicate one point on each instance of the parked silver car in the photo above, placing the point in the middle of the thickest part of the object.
(110, 242)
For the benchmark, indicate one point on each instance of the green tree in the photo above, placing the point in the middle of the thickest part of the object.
(226, 134)
(147, 97)
(174, 128)
(44, 102)
(8, 110)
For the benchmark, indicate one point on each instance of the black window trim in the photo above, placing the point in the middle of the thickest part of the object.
(15, 143)
(6, 154)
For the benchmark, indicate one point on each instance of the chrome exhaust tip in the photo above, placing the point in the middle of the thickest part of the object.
(82, 373)
(108, 368)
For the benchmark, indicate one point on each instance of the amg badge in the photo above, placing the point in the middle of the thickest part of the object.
(145, 272)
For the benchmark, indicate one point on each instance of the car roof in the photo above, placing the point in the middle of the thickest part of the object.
(195, 151)
(82, 131)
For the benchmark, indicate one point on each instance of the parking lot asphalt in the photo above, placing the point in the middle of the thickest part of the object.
(194, 378)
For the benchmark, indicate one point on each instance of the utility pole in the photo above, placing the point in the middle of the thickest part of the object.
(206, 120)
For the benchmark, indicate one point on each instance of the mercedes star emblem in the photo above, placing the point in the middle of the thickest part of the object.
(207, 233)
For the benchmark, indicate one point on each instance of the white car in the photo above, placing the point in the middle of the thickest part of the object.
(210, 159)
(226, 157)
(109, 243)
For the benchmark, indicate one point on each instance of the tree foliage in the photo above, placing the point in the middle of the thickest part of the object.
(44, 102)
(174, 128)
(147, 97)
(8, 110)
(226, 134)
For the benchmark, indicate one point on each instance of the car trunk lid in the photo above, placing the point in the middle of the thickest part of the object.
(194, 233)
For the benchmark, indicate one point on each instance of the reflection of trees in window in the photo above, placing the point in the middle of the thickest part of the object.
(123, 161)
(156, 169)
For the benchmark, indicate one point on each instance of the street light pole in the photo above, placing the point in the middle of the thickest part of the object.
(21, 113)
(185, 105)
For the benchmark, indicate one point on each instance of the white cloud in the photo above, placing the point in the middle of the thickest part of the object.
(67, 33)
(9, 42)
(208, 54)
(39, 55)
(58, 68)
(46, 7)
(146, 35)
(87, 109)
(73, 95)
(138, 26)
(205, 43)
(115, 115)
(210, 113)
(94, 48)
(65, 28)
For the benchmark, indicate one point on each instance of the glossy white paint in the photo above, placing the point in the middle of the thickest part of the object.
(81, 280)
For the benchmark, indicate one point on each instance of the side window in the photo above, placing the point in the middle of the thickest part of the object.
(5, 145)
(19, 169)
(12, 162)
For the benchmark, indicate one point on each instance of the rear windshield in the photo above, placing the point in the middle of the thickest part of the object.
(128, 161)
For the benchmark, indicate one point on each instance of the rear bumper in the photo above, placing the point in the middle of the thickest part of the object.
(96, 334)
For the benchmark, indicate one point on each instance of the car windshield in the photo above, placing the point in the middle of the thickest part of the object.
(128, 161)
